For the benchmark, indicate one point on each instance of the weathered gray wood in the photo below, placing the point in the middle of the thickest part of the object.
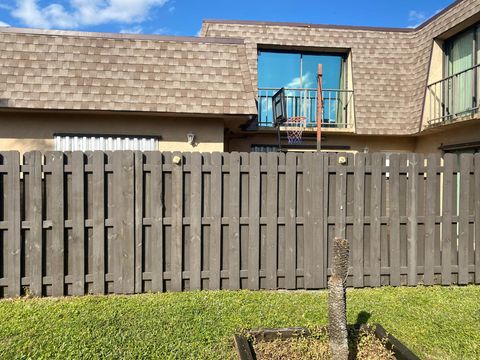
(412, 221)
(34, 215)
(155, 161)
(340, 195)
(272, 220)
(290, 221)
(358, 219)
(447, 204)
(394, 189)
(12, 196)
(78, 223)
(234, 224)
(177, 224)
(319, 279)
(215, 226)
(254, 222)
(56, 196)
(196, 222)
(98, 213)
(377, 160)
(477, 217)
(308, 240)
(431, 203)
(466, 162)
(124, 222)
(139, 200)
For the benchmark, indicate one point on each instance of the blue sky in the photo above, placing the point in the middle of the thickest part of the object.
(184, 17)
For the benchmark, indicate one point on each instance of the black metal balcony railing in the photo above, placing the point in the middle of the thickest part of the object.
(453, 97)
(303, 102)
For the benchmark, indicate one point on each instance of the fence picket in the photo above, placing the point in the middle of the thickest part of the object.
(358, 220)
(447, 204)
(272, 220)
(99, 201)
(56, 162)
(177, 223)
(377, 160)
(196, 222)
(431, 204)
(394, 188)
(78, 223)
(466, 161)
(412, 231)
(234, 224)
(155, 161)
(254, 222)
(290, 221)
(14, 223)
(216, 218)
(477, 218)
(34, 214)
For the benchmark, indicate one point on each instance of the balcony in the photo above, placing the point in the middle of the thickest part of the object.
(337, 109)
(453, 98)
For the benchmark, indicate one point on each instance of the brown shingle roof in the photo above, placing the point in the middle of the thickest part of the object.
(48, 69)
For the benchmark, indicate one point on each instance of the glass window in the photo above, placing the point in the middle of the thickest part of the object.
(297, 72)
(75, 142)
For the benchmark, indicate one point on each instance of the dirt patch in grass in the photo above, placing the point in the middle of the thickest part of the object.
(363, 346)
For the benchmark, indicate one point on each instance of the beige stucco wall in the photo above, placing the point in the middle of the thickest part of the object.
(454, 134)
(244, 142)
(34, 131)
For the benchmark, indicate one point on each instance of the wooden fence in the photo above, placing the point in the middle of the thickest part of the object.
(130, 222)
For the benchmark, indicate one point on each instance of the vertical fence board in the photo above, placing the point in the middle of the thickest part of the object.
(290, 221)
(216, 217)
(78, 223)
(447, 204)
(394, 197)
(234, 224)
(254, 222)
(412, 231)
(177, 224)
(138, 198)
(12, 196)
(99, 201)
(340, 196)
(377, 160)
(196, 222)
(272, 220)
(155, 161)
(308, 241)
(317, 215)
(56, 162)
(464, 212)
(33, 211)
(431, 202)
(477, 218)
(358, 219)
(124, 222)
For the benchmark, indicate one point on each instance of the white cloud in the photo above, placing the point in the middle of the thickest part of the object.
(417, 17)
(132, 30)
(305, 82)
(84, 12)
(4, 24)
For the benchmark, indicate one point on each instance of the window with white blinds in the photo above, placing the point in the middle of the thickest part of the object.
(105, 143)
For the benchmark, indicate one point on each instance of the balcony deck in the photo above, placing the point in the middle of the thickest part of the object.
(337, 112)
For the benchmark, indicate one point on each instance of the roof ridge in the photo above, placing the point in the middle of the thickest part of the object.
(119, 36)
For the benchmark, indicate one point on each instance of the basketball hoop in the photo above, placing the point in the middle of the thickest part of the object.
(295, 127)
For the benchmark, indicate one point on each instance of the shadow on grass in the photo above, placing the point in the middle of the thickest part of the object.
(354, 333)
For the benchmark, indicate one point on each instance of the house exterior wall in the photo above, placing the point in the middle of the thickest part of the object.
(25, 131)
(330, 142)
(454, 134)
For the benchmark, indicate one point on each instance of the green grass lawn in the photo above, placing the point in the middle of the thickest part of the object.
(435, 322)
